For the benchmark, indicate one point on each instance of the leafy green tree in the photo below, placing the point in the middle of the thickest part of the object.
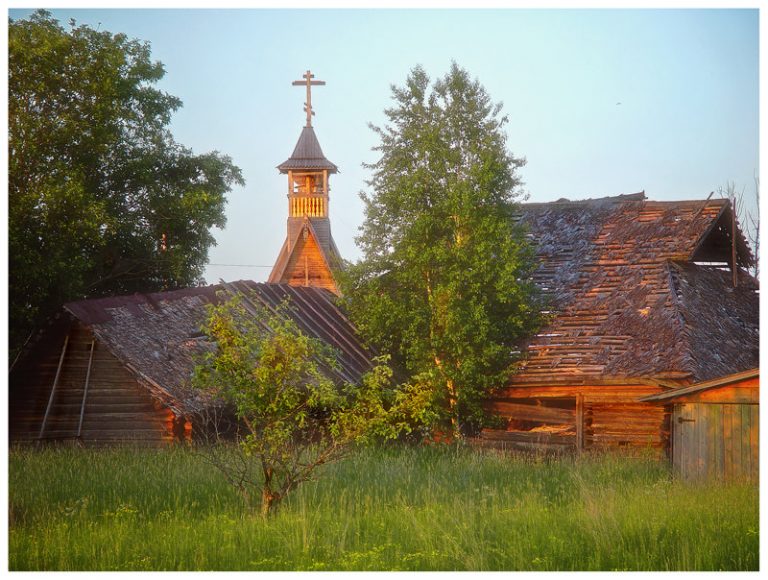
(293, 417)
(445, 280)
(102, 200)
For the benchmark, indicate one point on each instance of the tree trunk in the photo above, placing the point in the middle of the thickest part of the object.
(453, 408)
(268, 500)
(452, 401)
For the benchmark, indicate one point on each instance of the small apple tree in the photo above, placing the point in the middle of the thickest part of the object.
(292, 417)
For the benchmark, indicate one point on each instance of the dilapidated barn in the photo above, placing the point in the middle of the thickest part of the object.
(118, 369)
(641, 300)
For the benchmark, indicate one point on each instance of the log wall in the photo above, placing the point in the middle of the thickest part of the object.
(117, 408)
(579, 418)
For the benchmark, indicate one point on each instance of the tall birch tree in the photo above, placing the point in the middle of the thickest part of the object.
(444, 284)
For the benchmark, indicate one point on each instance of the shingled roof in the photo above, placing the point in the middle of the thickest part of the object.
(630, 297)
(157, 336)
(307, 154)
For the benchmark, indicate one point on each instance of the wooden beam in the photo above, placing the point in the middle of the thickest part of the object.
(85, 389)
(53, 388)
(532, 412)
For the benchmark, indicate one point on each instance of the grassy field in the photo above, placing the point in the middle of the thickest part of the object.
(436, 508)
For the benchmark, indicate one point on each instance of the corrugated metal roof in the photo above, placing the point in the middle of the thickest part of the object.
(307, 154)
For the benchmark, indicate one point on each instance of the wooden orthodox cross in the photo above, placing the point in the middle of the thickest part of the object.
(308, 76)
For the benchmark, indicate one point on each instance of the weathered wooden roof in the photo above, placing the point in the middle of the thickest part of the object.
(670, 396)
(624, 291)
(307, 154)
(157, 336)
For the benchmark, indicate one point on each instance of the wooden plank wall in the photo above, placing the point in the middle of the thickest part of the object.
(118, 409)
(716, 440)
(307, 266)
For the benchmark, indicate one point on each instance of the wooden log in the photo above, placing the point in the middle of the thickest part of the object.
(537, 413)
(528, 437)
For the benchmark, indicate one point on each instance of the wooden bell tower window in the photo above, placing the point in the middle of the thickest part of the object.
(308, 193)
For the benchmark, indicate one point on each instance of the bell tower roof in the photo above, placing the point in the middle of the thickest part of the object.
(307, 154)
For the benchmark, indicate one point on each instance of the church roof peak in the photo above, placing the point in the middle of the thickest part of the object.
(307, 154)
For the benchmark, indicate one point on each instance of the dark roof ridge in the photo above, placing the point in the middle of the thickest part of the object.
(625, 198)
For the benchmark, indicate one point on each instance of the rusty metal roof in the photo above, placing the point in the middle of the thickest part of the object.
(609, 268)
(157, 336)
(307, 154)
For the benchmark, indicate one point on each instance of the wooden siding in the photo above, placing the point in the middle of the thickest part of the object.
(117, 407)
(716, 440)
(307, 266)
(579, 417)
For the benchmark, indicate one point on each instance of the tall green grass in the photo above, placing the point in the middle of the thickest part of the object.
(433, 508)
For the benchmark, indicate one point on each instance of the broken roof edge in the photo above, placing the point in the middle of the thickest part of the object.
(703, 386)
(621, 198)
(640, 196)
(673, 274)
(742, 247)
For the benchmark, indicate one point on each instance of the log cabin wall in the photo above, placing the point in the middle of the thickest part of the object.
(117, 408)
(579, 418)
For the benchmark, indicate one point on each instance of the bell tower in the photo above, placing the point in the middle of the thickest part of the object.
(309, 254)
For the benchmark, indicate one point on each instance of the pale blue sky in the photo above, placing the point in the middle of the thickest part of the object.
(687, 81)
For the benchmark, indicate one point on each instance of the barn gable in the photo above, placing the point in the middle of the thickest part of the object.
(96, 399)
